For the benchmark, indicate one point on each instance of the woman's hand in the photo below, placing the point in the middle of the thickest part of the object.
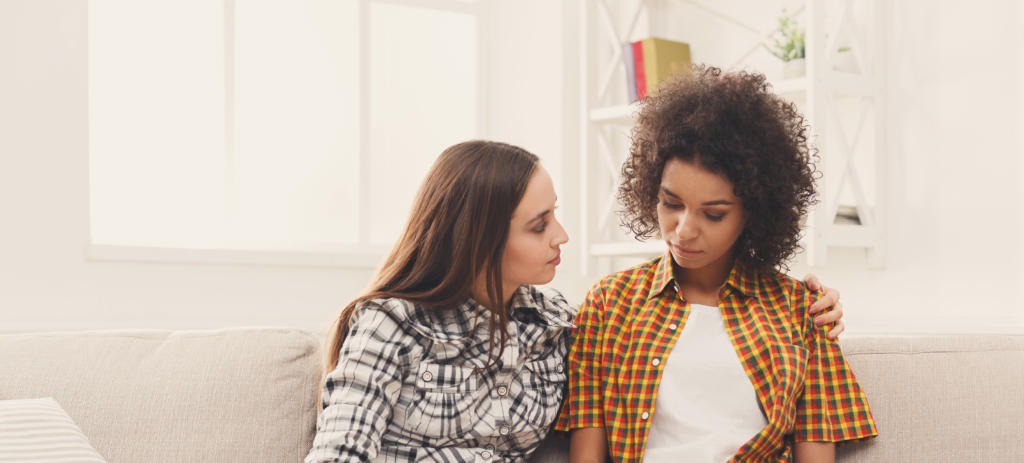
(829, 299)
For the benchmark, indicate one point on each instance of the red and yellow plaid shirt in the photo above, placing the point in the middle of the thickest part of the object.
(630, 318)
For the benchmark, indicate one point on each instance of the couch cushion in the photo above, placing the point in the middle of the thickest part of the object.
(934, 399)
(161, 396)
(250, 394)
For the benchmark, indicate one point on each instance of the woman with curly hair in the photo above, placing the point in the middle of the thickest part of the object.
(710, 353)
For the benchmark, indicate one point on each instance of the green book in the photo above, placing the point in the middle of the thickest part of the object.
(664, 59)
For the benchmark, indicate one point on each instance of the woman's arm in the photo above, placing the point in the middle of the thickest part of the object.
(588, 445)
(815, 452)
(361, 392)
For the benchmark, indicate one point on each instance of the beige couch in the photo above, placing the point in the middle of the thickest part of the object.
(248, 394)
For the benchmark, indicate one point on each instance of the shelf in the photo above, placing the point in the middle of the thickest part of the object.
(852, 235)
(622, 114)
(798, 84)
(848, 83)
(628, 248)
(837, 82)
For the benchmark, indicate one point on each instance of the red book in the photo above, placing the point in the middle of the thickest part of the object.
(638, 67)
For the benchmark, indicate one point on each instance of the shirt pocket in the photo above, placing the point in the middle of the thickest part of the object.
(544, 387)
(447, 401)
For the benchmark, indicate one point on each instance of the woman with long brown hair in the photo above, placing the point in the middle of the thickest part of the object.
(453, 354)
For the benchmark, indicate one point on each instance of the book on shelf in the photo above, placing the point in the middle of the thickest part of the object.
(654, 61)
(627, 60)
(638, 69)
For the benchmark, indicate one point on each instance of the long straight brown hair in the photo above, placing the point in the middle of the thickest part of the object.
(456, 231)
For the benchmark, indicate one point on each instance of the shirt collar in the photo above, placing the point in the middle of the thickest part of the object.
(742, 278)
(663, 276)
(529, 298)
(459, 324)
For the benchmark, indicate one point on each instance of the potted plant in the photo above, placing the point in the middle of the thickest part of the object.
(789, 46)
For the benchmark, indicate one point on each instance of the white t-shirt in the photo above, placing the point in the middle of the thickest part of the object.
(706, 407)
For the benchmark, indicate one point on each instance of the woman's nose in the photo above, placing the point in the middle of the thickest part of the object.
(562, 236)
(686, 229)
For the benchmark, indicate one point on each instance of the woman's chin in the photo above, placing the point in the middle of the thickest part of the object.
(546, 278)
(541, 279)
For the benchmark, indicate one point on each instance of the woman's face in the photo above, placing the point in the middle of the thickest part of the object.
(535, 235)
(699, 216)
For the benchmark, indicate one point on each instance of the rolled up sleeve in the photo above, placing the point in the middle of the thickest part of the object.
(583, 404)
(833, 407)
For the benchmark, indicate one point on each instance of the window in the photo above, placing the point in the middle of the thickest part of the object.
(272, 125)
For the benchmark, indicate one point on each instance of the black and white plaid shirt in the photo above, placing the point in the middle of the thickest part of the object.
(413, 384)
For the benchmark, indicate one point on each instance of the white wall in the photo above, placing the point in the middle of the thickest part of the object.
(956, 214)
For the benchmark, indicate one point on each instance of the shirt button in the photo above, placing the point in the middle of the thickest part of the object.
(427, 376)
(673, 327)
(504, 430)
(502, 390)
(645, 415)
(655, 362)
(485, 455)
(559, 368)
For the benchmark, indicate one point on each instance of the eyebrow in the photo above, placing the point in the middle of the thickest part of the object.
(539, 216)
(717, 202)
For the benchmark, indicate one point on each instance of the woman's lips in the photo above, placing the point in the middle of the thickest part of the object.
(686, 252)
(557, 260)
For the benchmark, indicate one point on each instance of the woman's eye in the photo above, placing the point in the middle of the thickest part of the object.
(540, 228)
(715, 218)
(671, 205)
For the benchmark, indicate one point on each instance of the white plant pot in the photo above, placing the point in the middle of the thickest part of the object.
(845, 62)
(795, 68)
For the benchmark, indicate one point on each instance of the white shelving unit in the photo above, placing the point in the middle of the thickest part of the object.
(606, 120)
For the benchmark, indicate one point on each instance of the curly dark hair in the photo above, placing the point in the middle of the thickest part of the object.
(732, 125)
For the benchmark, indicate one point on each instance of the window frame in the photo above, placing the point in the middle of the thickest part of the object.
(361, 254)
